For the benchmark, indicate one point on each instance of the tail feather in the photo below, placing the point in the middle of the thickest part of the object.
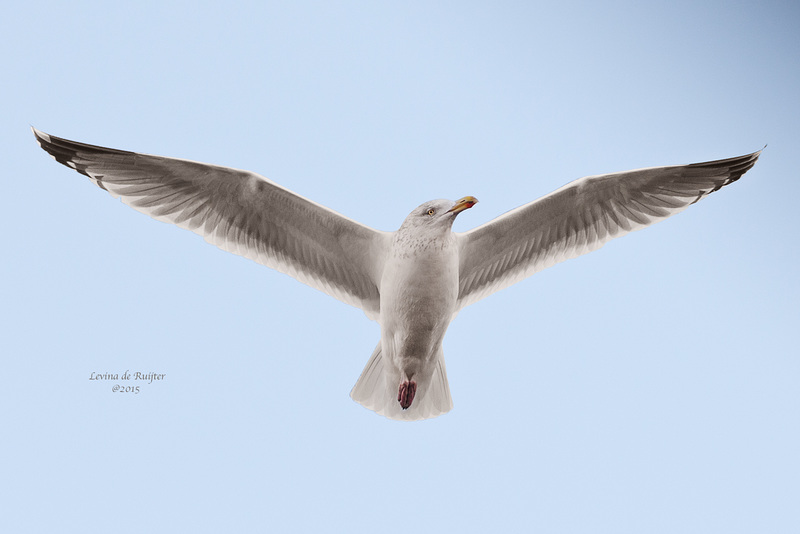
(376, 390)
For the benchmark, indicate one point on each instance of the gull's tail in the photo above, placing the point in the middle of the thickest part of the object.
(376, 390)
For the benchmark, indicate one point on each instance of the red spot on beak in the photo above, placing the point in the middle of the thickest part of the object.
(463, 204)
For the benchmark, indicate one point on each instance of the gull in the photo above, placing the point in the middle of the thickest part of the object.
(414, 281)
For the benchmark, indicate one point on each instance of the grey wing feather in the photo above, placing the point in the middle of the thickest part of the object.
(581, 217)
(240, 212)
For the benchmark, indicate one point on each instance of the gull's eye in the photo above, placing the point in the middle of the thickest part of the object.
(431, 211)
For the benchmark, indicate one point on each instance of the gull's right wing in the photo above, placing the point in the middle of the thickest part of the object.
(243, 213)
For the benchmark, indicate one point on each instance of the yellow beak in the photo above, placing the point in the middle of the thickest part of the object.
(463, 204)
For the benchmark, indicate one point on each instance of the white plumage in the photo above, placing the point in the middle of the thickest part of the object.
(412, 281)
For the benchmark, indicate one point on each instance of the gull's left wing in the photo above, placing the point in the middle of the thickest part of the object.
(581, 217)
(241, 212)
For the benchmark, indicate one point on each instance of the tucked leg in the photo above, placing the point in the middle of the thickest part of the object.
(405, 394)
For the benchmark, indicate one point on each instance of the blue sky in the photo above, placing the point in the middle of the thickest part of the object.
(650, 386)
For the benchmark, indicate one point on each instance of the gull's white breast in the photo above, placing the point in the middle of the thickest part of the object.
(419, 291)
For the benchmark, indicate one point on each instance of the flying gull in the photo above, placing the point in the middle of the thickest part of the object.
(413, 281)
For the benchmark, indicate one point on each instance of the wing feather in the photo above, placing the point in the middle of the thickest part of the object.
(580, 217)
(243, 213)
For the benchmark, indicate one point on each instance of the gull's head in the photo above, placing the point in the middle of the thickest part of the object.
(438, 213)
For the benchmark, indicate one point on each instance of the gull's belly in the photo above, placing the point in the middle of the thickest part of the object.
(418, 298)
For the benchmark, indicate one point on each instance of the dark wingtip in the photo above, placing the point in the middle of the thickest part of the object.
(61, 150)
(728, 170)
(40, 136)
